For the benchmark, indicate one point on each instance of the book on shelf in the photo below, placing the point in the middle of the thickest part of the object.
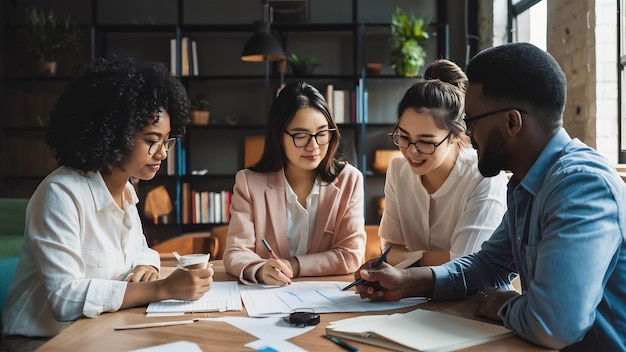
(170, 162)
(205, 207)
(417, 330)
(188, 57)
(194, 58)
(185, 203)
(329, 98)
(339, 105)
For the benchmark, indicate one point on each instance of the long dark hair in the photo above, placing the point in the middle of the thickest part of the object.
(292, 97)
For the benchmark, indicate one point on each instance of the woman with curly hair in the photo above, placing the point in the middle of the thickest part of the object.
(85, 252)
(304, 202)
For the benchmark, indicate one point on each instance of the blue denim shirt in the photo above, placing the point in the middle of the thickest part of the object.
(565, 234)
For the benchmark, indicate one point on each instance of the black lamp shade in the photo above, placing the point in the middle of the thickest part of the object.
(262, 45)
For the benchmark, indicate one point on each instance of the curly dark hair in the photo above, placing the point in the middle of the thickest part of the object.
(93, 124)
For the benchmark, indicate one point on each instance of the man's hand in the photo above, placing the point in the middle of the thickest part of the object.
(490, 300)
(390, 284)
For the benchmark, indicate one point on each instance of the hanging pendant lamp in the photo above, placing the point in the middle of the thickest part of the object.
(263, 46)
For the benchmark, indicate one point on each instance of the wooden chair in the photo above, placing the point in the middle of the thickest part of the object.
(372, 246)
(219, 235)
(194, 242)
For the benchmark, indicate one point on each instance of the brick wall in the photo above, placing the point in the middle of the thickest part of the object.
(582, 37)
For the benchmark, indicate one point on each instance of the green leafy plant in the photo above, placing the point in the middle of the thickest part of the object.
(199, 102)
(302, 65)
(48, 37)
(408, 34)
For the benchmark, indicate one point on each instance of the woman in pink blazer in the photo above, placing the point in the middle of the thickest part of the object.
(306, 204)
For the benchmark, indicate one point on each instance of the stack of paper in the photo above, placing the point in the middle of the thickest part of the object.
(418, 330)
(222, 296)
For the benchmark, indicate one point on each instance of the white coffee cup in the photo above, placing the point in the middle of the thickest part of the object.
(194, 261)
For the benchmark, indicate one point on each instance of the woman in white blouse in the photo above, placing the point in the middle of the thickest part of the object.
(436, 201)
(84, 251)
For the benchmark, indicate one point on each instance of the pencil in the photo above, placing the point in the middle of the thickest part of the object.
(269, 249)
(378, 263)
(154, 325)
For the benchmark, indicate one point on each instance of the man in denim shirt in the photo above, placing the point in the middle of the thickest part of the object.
(565, 228)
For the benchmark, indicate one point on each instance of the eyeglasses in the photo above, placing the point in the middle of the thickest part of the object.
(403, 142)
(156, 146)
(469, 120)
(303, 318)
(302, 139)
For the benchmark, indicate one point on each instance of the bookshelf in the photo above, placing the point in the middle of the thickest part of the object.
(344, 35)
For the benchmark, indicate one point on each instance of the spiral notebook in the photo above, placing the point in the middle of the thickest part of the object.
(418, 330)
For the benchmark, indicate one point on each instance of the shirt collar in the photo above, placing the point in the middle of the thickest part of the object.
(101, 195)
(555, 146)
(291, 195)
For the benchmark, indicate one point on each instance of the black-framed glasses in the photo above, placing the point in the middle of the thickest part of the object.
(156, 146)
(469, 120)
(403, 142)
(302, 139)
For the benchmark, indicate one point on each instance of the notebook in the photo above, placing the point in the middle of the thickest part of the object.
(418, 330)
(222, 296)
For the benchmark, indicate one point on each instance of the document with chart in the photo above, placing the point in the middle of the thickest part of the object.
(321, 296)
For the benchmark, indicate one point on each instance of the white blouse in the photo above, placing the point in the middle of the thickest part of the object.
(300, 221)
(458, 217)
(79, 246)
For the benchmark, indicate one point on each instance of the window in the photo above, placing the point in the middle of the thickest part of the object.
(528, 22)
(622, 79)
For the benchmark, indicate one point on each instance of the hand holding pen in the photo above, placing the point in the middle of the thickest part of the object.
(379, 262)
(274, 272)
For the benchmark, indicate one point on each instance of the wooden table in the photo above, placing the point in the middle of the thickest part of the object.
(98, 334)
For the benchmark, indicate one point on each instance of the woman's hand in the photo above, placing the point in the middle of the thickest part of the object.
(275, 272)
(143, 273)
(188, 284)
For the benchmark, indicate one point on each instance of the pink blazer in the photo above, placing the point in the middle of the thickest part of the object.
(258, 210)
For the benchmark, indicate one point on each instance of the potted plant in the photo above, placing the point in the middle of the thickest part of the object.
(49, 38)
(199, 109)
(407, 36)
(302, 65)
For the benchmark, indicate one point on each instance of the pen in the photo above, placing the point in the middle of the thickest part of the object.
(378, 263)
(269, 249)
(344, 345)
(154, 325)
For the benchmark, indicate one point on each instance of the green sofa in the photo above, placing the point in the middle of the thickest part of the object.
(12, 220)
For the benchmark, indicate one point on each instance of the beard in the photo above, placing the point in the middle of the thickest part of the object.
(493, 157)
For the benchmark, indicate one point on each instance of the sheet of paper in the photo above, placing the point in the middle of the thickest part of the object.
(172, 346)
(274, 345)
(272, 328)
(321, 296)
(222, 296)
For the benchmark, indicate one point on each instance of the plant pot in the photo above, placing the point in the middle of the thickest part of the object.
(47, 68)
(199, 117)
(407, 70)
(302, 70)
